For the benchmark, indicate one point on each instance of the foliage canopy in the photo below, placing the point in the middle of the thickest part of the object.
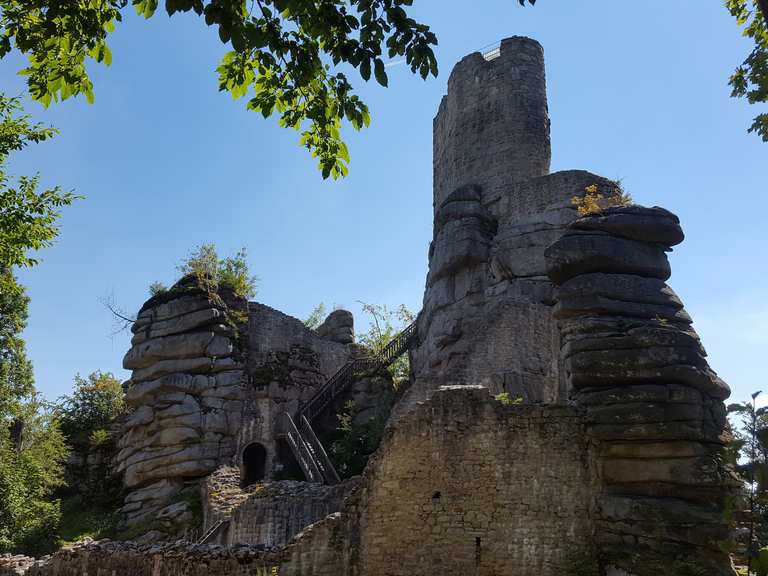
(30, 470)
(94, 403)
(285, 54)
(27, 217)
(750, 80)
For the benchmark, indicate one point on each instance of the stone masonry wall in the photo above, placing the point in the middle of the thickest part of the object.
(486, 317)
(492, 128)
(466, 485)
(276, 512)
(463, 485)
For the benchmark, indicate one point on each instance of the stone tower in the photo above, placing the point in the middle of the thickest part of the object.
(492, 128)
(486, 317)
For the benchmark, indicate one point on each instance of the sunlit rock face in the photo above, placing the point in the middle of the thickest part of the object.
(211, 375)
(187, 395)
(654, 408)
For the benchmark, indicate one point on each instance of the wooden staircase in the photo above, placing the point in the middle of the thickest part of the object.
(306, 447)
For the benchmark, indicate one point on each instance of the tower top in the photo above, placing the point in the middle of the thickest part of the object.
(492, 128)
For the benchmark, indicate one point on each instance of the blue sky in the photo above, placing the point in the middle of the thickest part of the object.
(637, 90)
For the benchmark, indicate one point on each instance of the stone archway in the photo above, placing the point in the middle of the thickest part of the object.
(254, 463)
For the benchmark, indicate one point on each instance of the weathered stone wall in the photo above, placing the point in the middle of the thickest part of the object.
(276, 512)
(466, 485)
(463, 485)
(203, 388)
(653, 405)
(268, 514)
(286, 363)
(130, 559)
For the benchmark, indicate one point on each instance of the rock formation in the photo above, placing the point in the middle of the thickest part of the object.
(212, 375)
(653, 406)
(186, 392)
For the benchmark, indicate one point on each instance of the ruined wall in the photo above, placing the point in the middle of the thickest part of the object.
(463, 485)
(487, 315)
(466, 485)
(286, 363)
(211, 375)
(654, 407)
(268, 514)
(130, 559)
(278, 511)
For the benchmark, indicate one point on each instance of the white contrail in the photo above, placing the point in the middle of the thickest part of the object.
(393, 63)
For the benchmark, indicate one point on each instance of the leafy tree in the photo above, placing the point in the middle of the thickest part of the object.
(384, 326)
(211, 271)
(285, 55)
(27, 217)
(748, 454)
(16, 380)
(750, 80)
(315, 317)
(30, 471)
(96, 401)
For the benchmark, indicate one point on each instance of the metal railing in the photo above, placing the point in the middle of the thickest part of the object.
(304, 443)
(212, 530)
(358, 368)
(301, 451)
(318, 452)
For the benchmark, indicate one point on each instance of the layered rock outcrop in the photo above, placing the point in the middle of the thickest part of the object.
(654, 408)
(186, 395)
(212, 375)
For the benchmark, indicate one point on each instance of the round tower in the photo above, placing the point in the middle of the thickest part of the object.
(492, 128)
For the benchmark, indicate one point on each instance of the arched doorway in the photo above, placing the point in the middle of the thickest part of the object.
(254, 463)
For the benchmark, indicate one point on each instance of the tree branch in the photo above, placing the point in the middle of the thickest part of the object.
(121, 320)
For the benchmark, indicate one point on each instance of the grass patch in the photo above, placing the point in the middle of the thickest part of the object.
(80, 520)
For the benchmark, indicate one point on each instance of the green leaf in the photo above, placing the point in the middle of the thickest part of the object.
(365, 69)
(381, 74)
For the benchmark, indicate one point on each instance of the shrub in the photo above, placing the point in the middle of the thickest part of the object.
(354, 443)
(507, 400)
(211, 272)
(316, 317)
(98, 438)
(385, 325)
(594, 203)
(157, 288)
(96, 401)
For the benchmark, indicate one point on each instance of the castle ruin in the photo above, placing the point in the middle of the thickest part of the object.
(610, 462)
